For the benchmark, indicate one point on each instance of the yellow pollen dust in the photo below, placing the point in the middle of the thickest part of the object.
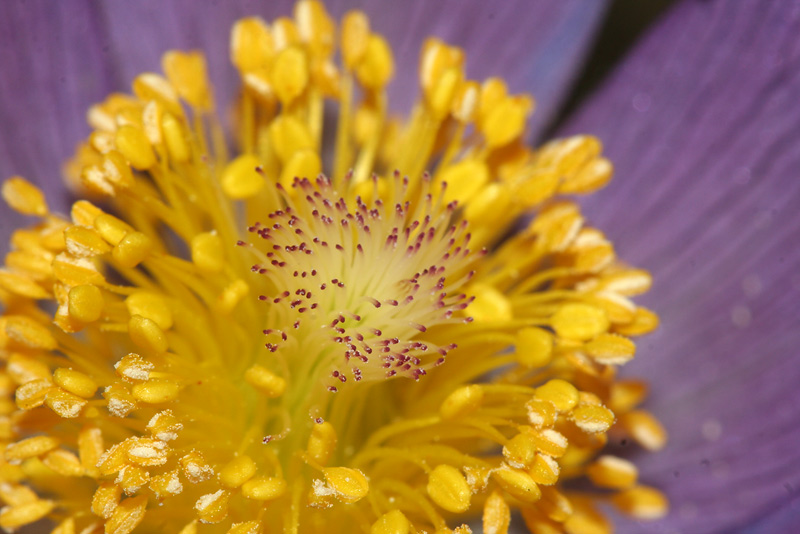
(332, 329)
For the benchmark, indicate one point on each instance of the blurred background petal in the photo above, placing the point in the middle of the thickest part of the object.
(703, 125)
(55, 63)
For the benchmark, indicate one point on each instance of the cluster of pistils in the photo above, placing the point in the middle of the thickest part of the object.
(357, 289)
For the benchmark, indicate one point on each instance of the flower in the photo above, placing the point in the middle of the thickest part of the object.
(691, 456)
(301, 378)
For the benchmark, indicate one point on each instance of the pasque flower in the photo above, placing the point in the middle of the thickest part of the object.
(217, 410)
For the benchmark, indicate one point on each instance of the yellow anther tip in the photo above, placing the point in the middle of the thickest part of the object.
(536, 188)
(626, 395)
(561, 393)
(85, 242)
(164, 425)
(544, 470)
(490, 304)
(589, 178)
(579, 321)
(534, 347)
(132, 367)
(435, 59)
(612, 472)
(505, 121)
(642, 502)
(22, 284)
(443, 93)
(237, 471)
(207, 252)
(448, 488)
(315, 26)
(393, 522)
(186, 72)
(289, 135)
(264, 488)
(166, 484)
(376, 66)
(466, 101)
(643, 322)
(146, 334)
(520, 451)
(75, 382)
(350, 485)
(147, 452)
(212, 507)
(117, 170)
(150, 306)
(285, 33)
(85, 303)
(248, 527)
(550, 442)
(24, 197)
(132, 249)
(251, 44)
(289, 74)
(232, 295)
(106, 499)
(611, 349)
(12, 517)
(109, 227)
(195, 467)
(304, 163)
(32, 394)
(153, 87)
(645, 429)
(265, 381)
(322, 442)
(30, 447)
(355, 35)
(156, 391)
(593, 418)
(175, 138)
(240, 179)
(482, 211)
(518, 483)
(134, 145)
(465, 180)
(496, 514)
(462, 402)
(21, 331)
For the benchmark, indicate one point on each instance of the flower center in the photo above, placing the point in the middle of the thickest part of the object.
(355, 291)
(192, 385)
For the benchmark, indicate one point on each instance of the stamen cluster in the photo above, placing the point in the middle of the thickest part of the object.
(253, 343)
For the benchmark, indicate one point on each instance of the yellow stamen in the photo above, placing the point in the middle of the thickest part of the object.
(24, 197)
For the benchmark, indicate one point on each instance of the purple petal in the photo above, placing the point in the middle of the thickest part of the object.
(703, 124)
(55, 64)
(784, 519)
